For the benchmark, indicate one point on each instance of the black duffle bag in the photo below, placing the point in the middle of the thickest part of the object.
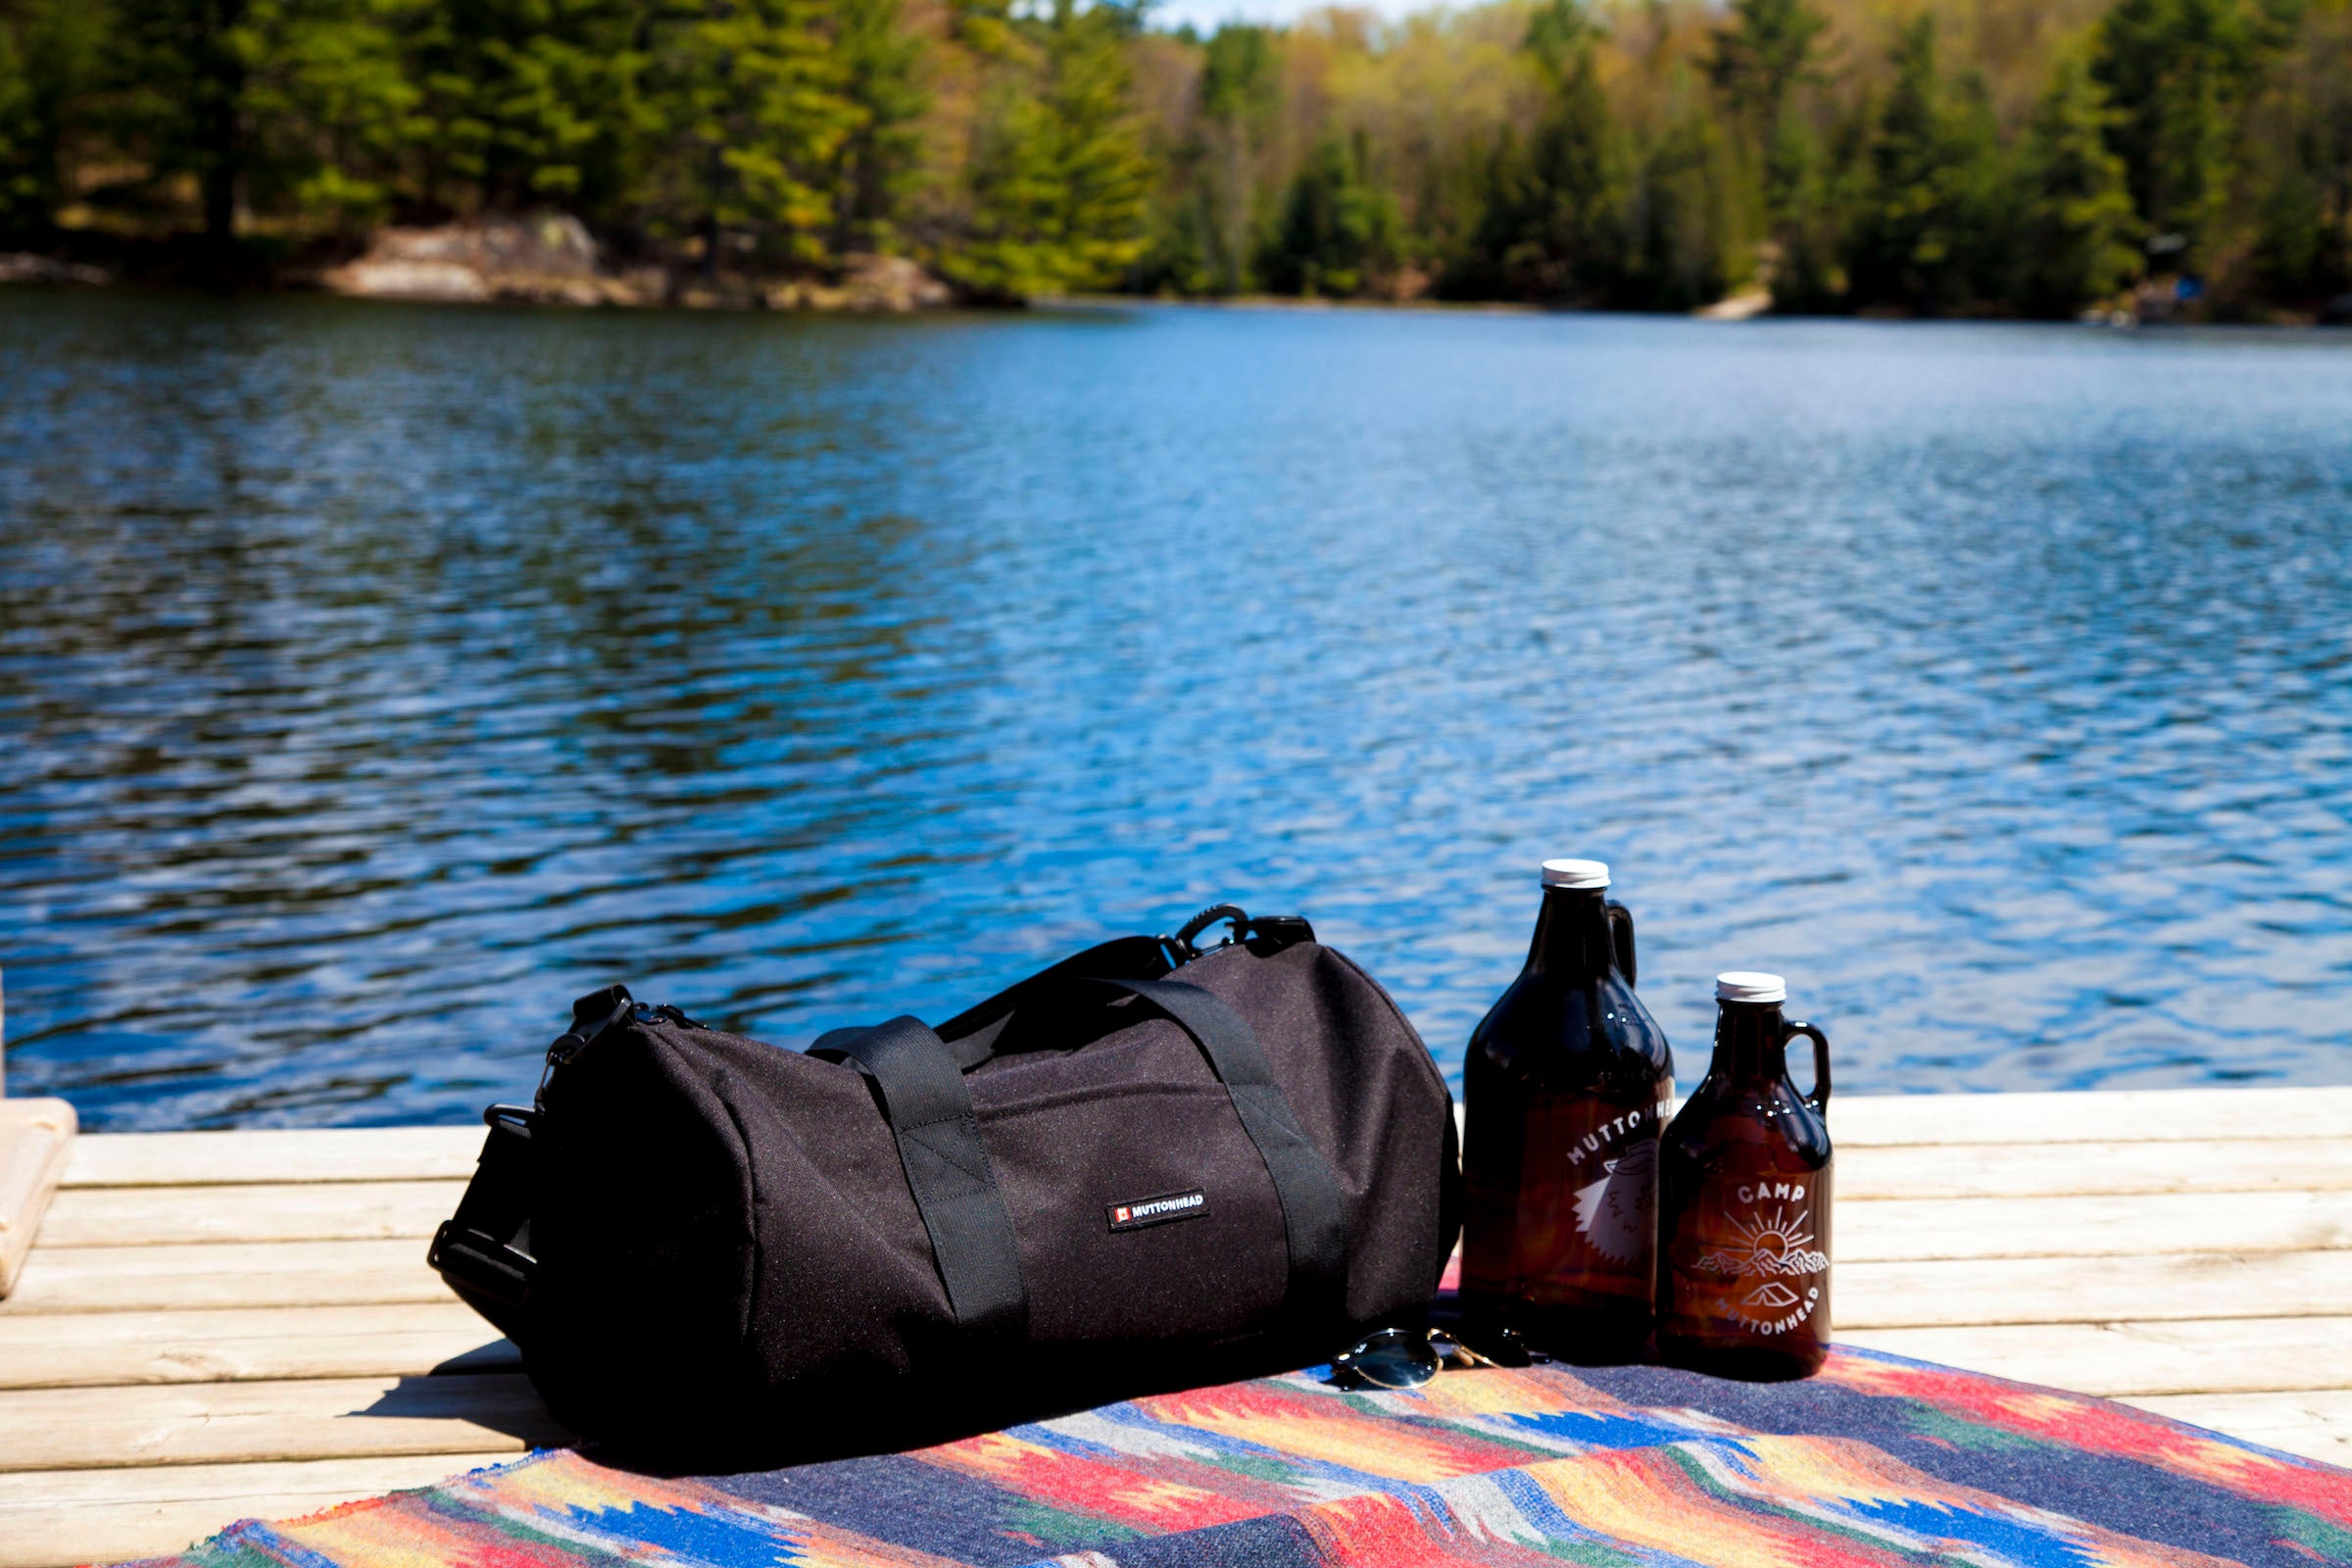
(1147, 1167)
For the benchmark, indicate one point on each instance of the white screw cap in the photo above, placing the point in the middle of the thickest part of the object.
(1748, 985)
(1576, 874)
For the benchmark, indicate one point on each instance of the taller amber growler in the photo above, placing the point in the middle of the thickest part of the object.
(1744, 1199)
(1568, 1081)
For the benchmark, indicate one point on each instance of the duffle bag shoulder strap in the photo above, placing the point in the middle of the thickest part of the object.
(929, 1108)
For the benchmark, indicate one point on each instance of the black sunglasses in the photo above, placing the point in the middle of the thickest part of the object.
(1406, 1358)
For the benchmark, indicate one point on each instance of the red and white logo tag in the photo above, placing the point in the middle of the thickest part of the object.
(1143, 1212)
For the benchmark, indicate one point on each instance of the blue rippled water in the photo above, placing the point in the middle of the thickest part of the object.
(374, 679)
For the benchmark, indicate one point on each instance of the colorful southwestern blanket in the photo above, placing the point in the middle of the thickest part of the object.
(1875, 1461)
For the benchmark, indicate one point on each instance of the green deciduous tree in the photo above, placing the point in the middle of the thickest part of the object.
(1210, 204)
(1240, 93)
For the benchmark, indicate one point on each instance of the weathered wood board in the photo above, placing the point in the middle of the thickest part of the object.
(220, 1325)
(37, 1140)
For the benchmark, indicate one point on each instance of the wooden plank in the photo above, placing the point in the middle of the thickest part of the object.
(37, 1140)
(2090, 1290)
(2114, 1116)
(318, 1211)
(2221, 1355)
(2315, 1425)
(225, 1423)
(90, 1350)
(149, 1279)
(51, 1518)
(274, 1155)
(1903, 1228)
(2049, 1170)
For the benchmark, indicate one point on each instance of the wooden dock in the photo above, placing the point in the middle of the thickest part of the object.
(218, 1325)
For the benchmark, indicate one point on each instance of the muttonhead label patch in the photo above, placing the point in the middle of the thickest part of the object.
(1156, 1210)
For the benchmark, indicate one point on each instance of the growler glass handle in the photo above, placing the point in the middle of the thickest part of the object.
(1620, 937)
(1819, 1098)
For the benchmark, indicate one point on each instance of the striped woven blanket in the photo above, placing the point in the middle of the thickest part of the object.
(1875, 1461)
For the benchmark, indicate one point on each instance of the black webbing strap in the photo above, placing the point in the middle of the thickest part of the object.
(1314, 1216)
(930, 1114)
(484, 1250)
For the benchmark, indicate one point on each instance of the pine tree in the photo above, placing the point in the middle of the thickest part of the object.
(1763, 56)
(1920, 239)
(180, 107)
(2177, 72)
(749, 109)
(1553, 226)
(881, 63)
(523, 101)
(1689, 239)
(2298, 169)
(292, 107)
(1058, 175)
(1239, 84)
(2075, 240)
(325, 107)
(1338, 234)
(1760, 58)
(49, 57)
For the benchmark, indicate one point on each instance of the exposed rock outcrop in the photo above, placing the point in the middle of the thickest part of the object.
(873, 284)
(26, 266)
(551, 258)
(892, 283)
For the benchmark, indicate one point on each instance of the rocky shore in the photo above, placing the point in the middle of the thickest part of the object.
(547, 259)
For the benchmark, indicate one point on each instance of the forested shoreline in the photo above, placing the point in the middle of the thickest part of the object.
(1995, 157)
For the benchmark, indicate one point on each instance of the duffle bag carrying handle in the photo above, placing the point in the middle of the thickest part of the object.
(930, 1114)
(929, 1109)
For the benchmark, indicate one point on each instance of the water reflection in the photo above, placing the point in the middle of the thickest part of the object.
(375, 679)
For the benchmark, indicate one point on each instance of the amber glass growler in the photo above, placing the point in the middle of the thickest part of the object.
(1567, 1083)
(1744, 1192)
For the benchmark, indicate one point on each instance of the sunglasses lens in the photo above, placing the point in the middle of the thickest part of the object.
(1393, 1360)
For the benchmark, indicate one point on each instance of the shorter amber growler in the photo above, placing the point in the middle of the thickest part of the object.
(1566, 1086)
(1743, 1200)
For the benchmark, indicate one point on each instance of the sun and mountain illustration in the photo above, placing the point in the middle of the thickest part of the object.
(1765, 1248)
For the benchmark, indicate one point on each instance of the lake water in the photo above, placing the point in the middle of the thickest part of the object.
(374, 679)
